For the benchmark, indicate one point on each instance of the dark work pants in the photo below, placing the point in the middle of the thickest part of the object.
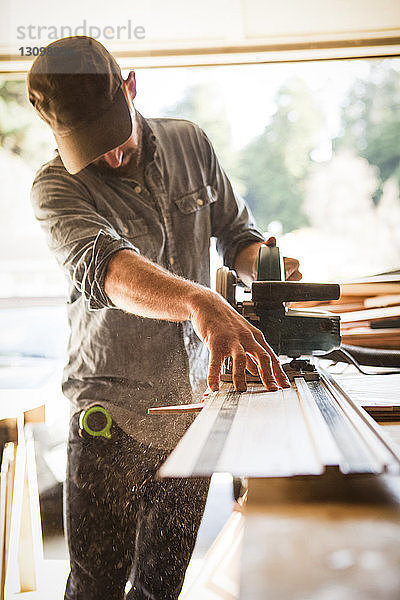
(124, 524)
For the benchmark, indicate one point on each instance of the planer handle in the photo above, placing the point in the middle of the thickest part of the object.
(273, 292)
(271, 287)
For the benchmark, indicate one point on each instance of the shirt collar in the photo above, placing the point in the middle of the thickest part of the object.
(149, 140)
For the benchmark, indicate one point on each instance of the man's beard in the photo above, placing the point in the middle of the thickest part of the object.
(129, 166)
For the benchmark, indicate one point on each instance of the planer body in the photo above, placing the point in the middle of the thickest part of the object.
(290, 332)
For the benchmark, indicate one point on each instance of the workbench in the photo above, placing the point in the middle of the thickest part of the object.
(332, 536)
(321, 537)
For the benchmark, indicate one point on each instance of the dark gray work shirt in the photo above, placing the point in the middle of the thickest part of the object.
(124, 362)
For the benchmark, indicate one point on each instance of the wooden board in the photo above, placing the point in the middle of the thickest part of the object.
(25, 545)
(344, 299)
(342, 308)
(372, 338)
(297, 431)
(378, 394)
(372, 314)
(16, 402)
(176, 409)
(368, 289)
(377, 301)
(391, 277)
(6, 485)
(256, 433)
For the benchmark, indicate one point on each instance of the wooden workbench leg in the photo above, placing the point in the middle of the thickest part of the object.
(6, 487)
(30, 555)
(25, 544)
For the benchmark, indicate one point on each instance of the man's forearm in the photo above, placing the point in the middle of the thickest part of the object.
(143, 288)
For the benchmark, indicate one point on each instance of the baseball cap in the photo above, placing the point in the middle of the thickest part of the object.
(77, 88)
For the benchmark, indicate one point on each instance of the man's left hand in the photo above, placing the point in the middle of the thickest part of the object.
(291, 265)
(247, 261)
(292, 272)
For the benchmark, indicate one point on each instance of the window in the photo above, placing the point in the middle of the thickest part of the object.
(313, 147)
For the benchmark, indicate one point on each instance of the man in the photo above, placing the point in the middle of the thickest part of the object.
(129, 206)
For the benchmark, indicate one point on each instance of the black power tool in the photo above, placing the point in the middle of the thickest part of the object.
(290, 332)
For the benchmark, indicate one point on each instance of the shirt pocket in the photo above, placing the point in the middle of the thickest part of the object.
(192, 231)
(136, 231)
(196, 200)
(134, 228)
(128, 227)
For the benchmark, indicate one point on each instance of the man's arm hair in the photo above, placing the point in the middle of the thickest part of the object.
(139, 286)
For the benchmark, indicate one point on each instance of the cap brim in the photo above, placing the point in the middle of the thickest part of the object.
(86, 143)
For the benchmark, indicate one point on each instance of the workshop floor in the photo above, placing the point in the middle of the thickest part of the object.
(55, 567)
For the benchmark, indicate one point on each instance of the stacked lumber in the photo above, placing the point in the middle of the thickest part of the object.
(369, 310)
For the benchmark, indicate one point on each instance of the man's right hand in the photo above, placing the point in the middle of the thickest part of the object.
(227, 333)
(142, 288)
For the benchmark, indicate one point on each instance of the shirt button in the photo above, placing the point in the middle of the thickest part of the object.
(199, 201)
(138, 189)
(171, 260)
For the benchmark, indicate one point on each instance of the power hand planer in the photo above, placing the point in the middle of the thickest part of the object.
(290, 332)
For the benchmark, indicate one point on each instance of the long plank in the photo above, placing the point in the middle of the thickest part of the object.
(185, 452)
(269, 437)
(256, 433)
(176, 409)
(370, 289)
(355, 456)
(392, 277)
(16, 402)
(378, 301)
(365, 389)
(342, 308)
(379, 395)
(372, 338)
(279, 434)
(12, 584)
(7, 465)
(31, 542)
(371, 314)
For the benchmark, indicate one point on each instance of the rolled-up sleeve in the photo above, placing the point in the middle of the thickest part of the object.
(82, 240)
(232, 222)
